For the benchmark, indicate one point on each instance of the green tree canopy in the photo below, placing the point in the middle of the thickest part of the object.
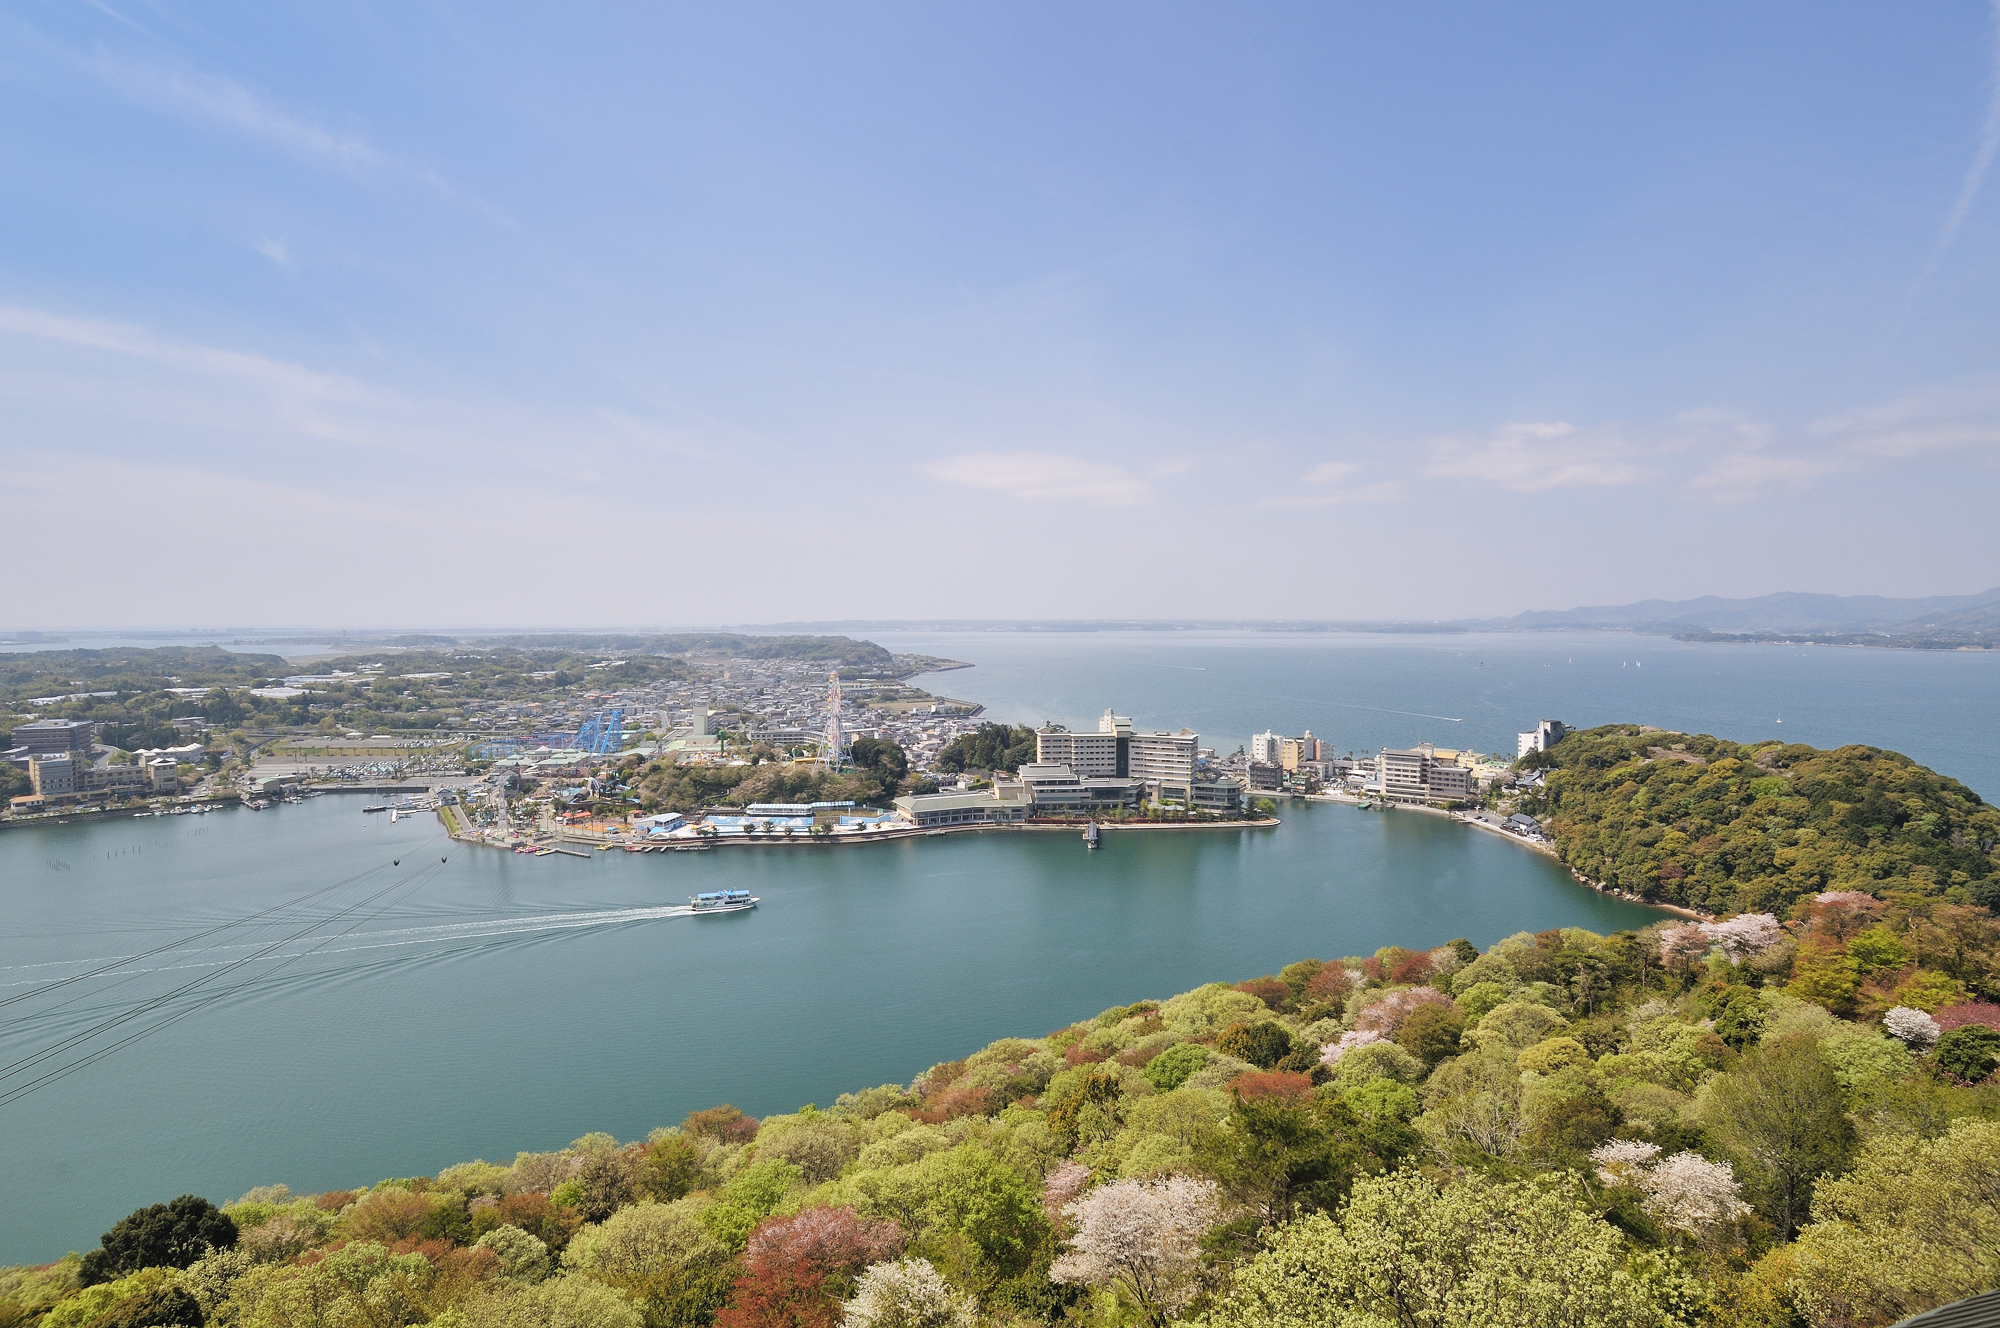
(1474, 1254)
(168, 1235)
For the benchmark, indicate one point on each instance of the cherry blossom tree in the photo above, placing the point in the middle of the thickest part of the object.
(1844, 912)
(908, 1293)
(1683, 944)
(794, 1263)
(1689, 1194)
(1333, 1051)
(1387, 1015)
(1143, 1237)
(1623, 1161)
(1061, 1188)
(1911, 1027)
(1745, 935)
(1685, 1193)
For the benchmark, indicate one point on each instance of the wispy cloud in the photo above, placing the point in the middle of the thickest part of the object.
(1975, 172)
(1327, 486)
(124, 339)
(1044, 476)
(1532, 457)
(275, 251)
(222, 102)
(1935, 418)
(1747, 458)
(1745, 475)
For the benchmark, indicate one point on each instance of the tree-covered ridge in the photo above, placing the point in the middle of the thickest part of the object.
(1631, 1131)
(1722, 827)
(880, 771)
(835, 651)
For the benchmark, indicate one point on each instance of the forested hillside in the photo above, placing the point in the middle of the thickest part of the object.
(1752, 1122)
(1719, 826)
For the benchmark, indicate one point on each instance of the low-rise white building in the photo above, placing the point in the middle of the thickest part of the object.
(1545, 735)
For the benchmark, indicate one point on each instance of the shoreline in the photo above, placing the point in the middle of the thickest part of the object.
(1545, 849)
(831, 841)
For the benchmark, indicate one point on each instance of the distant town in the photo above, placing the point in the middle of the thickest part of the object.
(565, 760)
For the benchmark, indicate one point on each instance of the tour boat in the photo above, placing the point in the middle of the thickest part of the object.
(1091, 836)
(722, 901)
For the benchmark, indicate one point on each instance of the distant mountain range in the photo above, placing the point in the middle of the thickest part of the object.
(1940, 618)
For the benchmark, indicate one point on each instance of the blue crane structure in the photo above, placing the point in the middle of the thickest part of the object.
(601, 735)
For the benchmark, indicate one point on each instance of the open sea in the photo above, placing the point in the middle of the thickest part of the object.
(200, 1004)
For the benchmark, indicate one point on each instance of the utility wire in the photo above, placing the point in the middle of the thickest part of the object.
(10, 1070)
(184, 941)
(62, 1072)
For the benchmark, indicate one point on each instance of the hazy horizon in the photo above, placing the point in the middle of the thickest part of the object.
(634, 315)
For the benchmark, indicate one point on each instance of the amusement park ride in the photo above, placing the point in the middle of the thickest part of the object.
(833, 751)
(601, 735)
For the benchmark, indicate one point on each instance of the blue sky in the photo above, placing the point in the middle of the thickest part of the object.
(597, 315)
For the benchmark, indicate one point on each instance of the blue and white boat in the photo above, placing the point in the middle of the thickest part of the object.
(722, 901)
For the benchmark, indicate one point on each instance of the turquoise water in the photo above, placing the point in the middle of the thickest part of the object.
(425, 1013)
(397, 1041)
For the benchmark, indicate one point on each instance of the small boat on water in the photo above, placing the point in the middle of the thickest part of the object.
(722, 901)
(1092, 836)
(383, 808)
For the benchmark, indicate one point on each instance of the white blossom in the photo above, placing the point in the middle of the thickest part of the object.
(1145, 1236)
(1912, 1027)
(1333, 1051)
(908, 1293)
(1688, 1193)
(1622, 1161)
(1745, 935)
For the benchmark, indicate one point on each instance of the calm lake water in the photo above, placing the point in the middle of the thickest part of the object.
(409, 1016)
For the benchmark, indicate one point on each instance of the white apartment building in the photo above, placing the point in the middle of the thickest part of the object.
(1089, 755)
(1264, 748)
(1546, 735)
(1164, 763)
(1416, 776)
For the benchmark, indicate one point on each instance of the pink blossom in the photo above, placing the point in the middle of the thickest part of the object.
(1688, 940)
(1333, 1051)
(1061, 1187)
(1968, 1012)
(1745, 934)
(1387, 1015)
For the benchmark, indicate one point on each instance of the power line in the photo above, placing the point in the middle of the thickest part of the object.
(62, 1072)
(10, 1070)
